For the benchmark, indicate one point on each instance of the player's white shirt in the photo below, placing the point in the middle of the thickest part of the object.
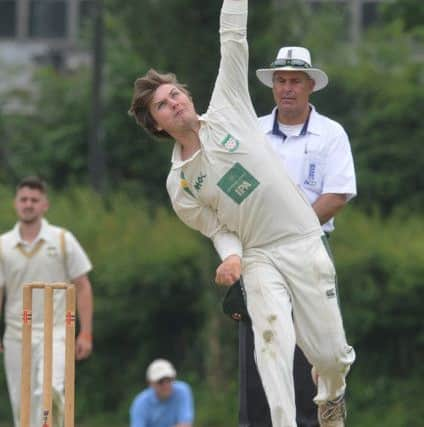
(43, 260)
(318, 158)
(234, 189)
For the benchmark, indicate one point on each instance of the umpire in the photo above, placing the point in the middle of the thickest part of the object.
(315, 150)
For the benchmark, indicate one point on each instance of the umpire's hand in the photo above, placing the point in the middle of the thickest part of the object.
(229, 271)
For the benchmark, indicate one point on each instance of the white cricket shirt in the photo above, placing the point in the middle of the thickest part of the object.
(318, 159)
(234, 189)
(43, 260)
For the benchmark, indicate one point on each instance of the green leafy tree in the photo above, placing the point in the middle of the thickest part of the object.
(49, 137)
(410, 12)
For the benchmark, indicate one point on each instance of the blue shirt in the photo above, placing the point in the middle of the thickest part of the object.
(149, 411)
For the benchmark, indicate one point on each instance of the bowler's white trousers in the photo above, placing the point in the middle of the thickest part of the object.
(291, 298)
(12, 362)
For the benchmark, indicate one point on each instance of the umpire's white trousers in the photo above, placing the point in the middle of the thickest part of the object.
(291, 297)
(12, 362)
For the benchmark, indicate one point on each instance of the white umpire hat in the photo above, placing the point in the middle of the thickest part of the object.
(293, 58)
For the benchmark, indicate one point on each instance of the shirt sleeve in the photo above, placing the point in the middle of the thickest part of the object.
(202, 218)
(77, 261)
(339, 175)
(231, 86)
(186, 407)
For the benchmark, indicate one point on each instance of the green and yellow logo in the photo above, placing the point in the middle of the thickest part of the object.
(198, 184)
(185, 185)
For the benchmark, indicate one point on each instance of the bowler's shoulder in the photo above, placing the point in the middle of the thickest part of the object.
(173, 180)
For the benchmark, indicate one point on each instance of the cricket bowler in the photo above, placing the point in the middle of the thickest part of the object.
(226, 182)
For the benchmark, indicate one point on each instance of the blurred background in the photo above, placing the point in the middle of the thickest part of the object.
(67, 68)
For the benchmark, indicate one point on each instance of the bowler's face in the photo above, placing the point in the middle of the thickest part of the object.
(291, 90)
(30, 205)
(172, 109)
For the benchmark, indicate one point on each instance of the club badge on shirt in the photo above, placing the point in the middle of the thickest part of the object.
(230, 143)
(52, 251)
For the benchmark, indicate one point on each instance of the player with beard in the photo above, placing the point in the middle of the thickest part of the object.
(35, 251)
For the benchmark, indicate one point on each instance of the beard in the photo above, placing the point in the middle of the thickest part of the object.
(29, 218)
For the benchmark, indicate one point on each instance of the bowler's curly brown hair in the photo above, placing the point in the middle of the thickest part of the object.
(144, 90)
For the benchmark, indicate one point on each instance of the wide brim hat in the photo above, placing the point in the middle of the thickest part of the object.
(293, 58)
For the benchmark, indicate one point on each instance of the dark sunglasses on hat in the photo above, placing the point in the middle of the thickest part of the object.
(290, 62)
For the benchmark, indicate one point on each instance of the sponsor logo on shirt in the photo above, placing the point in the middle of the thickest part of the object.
(230, 143)
(199, 181)
(238, 183)
(311, 179)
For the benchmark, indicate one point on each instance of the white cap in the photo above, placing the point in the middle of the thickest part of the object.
(158, 369)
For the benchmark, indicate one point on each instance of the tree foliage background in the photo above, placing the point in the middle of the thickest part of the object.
(153, 277)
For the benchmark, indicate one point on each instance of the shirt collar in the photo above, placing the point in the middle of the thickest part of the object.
(42, 235)
(176, 152)
(314, 125)
(277, 131)
(176, 157)
(269, 121)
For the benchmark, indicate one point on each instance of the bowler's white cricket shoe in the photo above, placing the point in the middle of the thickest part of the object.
(332, 413)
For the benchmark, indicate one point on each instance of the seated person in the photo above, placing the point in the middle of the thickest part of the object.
(166, 402)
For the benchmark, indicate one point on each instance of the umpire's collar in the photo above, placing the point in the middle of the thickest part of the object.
(314, 124)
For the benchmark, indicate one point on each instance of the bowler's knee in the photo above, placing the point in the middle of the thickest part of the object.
(335, 361)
